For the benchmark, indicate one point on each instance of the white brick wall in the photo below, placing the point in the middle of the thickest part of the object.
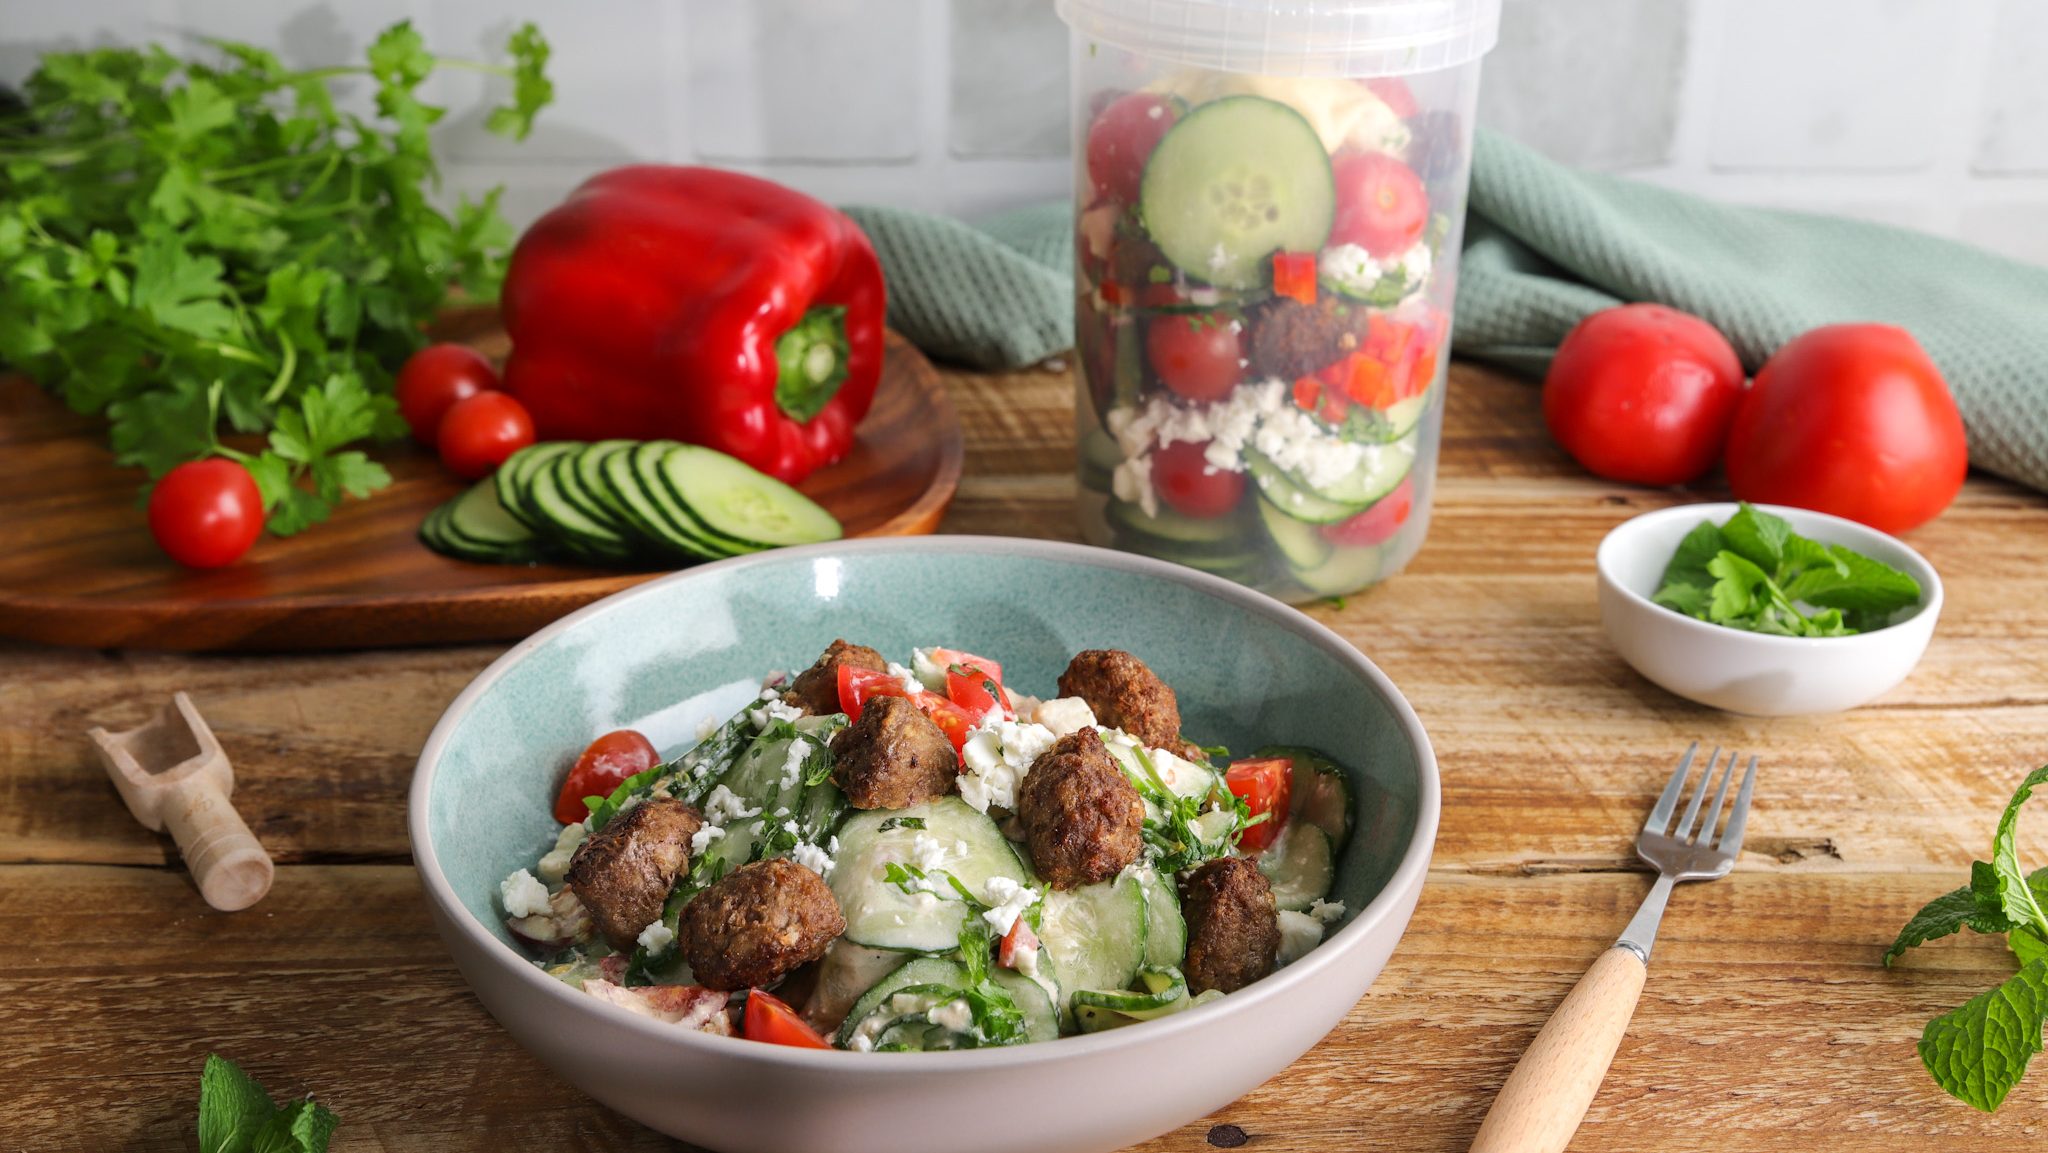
(1927, 113)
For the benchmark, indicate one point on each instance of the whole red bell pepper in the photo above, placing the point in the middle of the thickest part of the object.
(699, 305)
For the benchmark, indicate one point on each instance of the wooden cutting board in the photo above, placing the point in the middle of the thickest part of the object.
(78, 567)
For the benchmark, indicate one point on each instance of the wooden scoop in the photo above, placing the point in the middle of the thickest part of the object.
(171, 771)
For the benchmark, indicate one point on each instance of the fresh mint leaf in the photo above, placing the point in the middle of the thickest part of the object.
(2016, 897)
(301, 1127)
(2027, 945)
(1755, 573)
(1737, 585)
(1949, 913)
(1979, 1051)
(1689, 564)
(1690, 599)
(1857, 583)
(1757, 537)
(232, 1107)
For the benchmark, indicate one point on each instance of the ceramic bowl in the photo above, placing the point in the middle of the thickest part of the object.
(1756, 673)
(665, 655)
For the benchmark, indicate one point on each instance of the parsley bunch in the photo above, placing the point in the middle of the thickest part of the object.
(1979, 1051)
(189, 245)
(1755, 573)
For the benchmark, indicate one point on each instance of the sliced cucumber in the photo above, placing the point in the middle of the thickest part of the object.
(512, 475)
(847, 972)
(1379, 426)
(645, 462)
(474, 526)
(880, 915)
(1233, 182)
(1292, 498)
(1168, 525)
(1322, 795)
(1298, 541)
(1166, 932)
(1163, 986)
(1299, 865)
(1041, 1016)
(640, 506)
(1349, 569)
(925, 982)
(564, 523)
(1379, 473)
(1096, 934)
(738, 503)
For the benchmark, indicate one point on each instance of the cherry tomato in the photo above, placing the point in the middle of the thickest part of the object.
(1198, 355)
(1643, 394)
(206, 513)
(1400, 100)
(1122, 139)
(769, 1018)
(603, 767)
(1381, 206)
(1265, 786)
(434, 379)
(1376, 524)
(1190, 484)
(1019, 942)
(957, 723)
(858, 686)
(971, 685)
(1854, 420)
(947, 657)
(478, 433)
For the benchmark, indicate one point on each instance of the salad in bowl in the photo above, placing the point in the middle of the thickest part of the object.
(873, 856)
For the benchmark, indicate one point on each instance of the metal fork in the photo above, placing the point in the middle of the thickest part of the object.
(1540, 1106)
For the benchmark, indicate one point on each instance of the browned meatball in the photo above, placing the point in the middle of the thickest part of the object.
(816, 689)
(1290, 340)
(893, 757)
(1233, 926)
(1126, 695)
(1083, 819)
(624, 872)
(757, 924)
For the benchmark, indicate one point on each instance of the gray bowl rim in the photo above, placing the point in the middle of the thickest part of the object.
(1326, 957)
(1604, 559)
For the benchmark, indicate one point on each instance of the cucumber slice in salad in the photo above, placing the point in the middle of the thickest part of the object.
(1176, 528)
(1233, 182)
(1349, 569)
(879, 914)
(1298, 541)
(1095, 934)
(900, 1008)
(1166, 932)
(1378, 473)
(1299, 865)
(1322, 794)
(1287, 495)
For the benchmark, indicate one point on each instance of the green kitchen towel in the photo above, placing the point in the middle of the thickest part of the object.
(1545, 245)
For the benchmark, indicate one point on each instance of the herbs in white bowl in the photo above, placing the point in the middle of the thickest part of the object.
(1979, 1051)
(1755, 573)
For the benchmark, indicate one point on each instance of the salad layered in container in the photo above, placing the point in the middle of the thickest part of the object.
(1269, 201)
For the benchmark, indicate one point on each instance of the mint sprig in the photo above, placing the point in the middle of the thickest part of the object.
(1980, 1050)
(237, 1116)
(1755, 573)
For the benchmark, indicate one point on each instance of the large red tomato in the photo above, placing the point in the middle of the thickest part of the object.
(1854, 420)
(1643, 394)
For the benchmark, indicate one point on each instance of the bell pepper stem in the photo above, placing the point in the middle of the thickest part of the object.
(811, 358)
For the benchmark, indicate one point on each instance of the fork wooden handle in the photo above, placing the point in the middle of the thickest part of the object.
(1546, 1096)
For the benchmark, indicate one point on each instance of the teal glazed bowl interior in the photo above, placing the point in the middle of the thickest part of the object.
(664, 656)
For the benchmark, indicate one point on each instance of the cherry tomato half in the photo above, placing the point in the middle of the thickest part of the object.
(1198, 355)
(1381, 205)
(1122, 139)
(859, 686)
(1377, 524)
(769, 1018)
(206, 513)
(1643, 394)
(603, 767)
(1399, 98)
(1854, 420)
(434, 380)
(976, 685)
(478, 433)
(1190, 484)
(1265, 786)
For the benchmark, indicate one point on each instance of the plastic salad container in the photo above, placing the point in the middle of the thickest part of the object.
(1269, 199)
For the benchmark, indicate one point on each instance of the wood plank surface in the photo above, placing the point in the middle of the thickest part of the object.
(1768, 1022)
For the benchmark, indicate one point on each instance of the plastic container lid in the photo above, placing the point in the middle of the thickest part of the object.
(1295, 37)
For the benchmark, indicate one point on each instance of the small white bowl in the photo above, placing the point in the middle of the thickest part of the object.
(1742, 671)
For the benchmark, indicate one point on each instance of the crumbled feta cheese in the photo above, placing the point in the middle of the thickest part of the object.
(523, 894)
(703, 837)
(706, 727)
(926, 853)
(1299, 933)
(724, 806)
(770, 694)
(656, 938)
(860, 1043)
(930, 673)
(1063, 715)
(1328, 912)
(912, 686)
(996, 758)
(793, 763)
(813, 858)
(773, 711)
(789, 826)
(1007, 899)
(1027, 963)
(1131, 482)
(955, 1015)
(555, 865)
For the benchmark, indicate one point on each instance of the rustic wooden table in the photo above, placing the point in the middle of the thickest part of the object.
(1768, 1023)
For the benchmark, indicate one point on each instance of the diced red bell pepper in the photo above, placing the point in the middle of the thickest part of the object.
(1020, 941)
(1294, 276)
(1308, 393)
(769, 1018)
(1266, 786)
(858, 686)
